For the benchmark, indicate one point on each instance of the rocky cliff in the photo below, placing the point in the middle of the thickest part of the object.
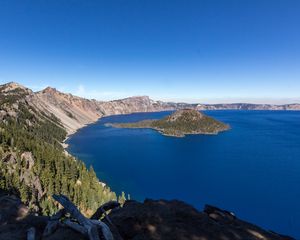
(75, 112)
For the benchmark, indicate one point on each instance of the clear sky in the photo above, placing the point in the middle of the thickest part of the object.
(181, 50)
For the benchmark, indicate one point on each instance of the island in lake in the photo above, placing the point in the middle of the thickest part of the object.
(180, 123)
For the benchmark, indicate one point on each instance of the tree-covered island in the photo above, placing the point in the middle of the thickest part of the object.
(180, 123)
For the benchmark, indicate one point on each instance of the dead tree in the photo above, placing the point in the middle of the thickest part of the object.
(88, 227)
(103, 209)
(54, 222)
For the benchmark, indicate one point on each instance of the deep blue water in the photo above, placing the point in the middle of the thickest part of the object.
(252, 170)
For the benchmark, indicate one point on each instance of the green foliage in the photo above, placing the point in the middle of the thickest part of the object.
(12, 96)
(185, 125)
(180, 123)
(57, 172)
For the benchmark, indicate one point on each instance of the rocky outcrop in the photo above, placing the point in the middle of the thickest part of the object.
(151, 220)
(10, 87)
(11, 94)
(10, 159)
(170, 220)
(28, 159)
(24, 174)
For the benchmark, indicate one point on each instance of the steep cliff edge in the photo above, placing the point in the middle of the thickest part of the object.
(75, 112)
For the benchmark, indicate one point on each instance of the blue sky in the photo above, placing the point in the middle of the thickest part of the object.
(180, 50)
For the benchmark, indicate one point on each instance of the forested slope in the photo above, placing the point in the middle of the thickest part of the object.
(34, 165)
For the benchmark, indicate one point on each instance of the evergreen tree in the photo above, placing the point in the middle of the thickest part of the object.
(57, 172)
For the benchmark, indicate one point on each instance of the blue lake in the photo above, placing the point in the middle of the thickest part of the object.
(252, 170)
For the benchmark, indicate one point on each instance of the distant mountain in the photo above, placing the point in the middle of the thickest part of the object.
(75, 112)
(180, 123)
(248, 106)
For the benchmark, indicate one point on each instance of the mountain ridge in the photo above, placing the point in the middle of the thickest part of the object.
(76, 112)
(33, 162)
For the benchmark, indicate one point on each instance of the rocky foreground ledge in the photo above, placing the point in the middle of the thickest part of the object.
(151, 220)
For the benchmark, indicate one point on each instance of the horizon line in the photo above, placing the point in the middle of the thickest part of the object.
(280, 101)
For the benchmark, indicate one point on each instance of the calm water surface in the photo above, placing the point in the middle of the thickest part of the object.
(252, 170)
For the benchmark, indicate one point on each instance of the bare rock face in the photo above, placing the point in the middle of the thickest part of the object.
(11, 86)
(75, 112)
(132, 105)
(2, 114)
(25, 174)
(10, 159)
(28, 176)
(292, 107)
(28, 158)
